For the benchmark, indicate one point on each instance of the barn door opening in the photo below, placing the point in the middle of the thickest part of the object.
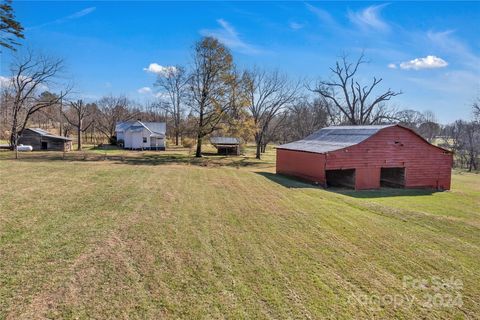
(44, 145)
(341, 178)
(392, 177)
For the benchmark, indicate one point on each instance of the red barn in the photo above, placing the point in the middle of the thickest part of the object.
(367, 157)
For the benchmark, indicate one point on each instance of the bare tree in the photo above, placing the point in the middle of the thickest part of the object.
(274, 130)
(31, 74)
(476, 110)
(410, 118)
(268, 93)
(425, 123)
(353, 100)
(472, 142)
(174, 84)
(209, 86)
(429, 130)
(78, 116)
(112, 109)
(304, 118)
(463, 138)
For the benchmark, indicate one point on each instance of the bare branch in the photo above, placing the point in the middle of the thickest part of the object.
(349, 97)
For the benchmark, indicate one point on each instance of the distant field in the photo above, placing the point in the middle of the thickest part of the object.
(164, 235)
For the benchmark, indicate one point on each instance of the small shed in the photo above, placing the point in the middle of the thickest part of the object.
(41, 139)
(226, 145)
(367, 157)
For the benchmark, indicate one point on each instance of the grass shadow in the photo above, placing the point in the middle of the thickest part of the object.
(153, 158)
(288, 181)
(292, 182)
(383, 192)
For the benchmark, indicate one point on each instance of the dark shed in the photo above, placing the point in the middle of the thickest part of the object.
(40, 139)
(226, 145)
(367, 157)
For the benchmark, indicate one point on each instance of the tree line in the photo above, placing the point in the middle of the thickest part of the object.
(214, 97)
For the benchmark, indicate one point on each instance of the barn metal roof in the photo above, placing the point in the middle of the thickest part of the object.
(224, 140)
(47, 134)
(334, 138)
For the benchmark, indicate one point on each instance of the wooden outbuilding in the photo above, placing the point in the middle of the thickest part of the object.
(367, 157)
(40, 139)
(226, 145)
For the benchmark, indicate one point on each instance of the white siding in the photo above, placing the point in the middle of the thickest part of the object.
(134, 139)
(120, 135)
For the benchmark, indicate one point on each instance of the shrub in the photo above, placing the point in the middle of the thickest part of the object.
(119, 143)
(188, 143)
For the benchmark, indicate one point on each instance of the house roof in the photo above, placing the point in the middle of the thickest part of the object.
(334, 138)
(158, 128)
(224, 140)
(47, 134)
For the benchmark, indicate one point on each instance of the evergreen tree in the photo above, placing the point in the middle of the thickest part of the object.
(9, 27)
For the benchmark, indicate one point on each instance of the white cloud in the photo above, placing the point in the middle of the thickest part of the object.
(73, 16)
(230, 37)
(321, 14)
(160, 70)
(151, 93)
(392, 66)
(7, 83)
(429, 62)
(162, 96)
(446, 42)
(80, 13)
(295, 25)
(144, 90)
(460, 82)
(369, 18)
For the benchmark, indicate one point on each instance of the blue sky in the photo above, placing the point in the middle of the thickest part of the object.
(428, 50)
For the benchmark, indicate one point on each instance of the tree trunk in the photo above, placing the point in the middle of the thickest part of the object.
(79, 136)
(177, 134)
(198, 154)
(16, 143)
(258, 153)
(14, 135)
(472, 164)
(258, 145)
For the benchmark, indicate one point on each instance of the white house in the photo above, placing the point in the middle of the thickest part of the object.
(140, 135)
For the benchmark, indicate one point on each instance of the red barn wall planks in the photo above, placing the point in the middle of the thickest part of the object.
(305, 165)
(422, 164)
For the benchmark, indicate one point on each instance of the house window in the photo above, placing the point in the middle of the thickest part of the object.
(144, 139)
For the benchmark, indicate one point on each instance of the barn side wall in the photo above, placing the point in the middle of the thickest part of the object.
(31, 138)
(57, 144)
(35, 140)
(305, 165)
(367, 178)
(426, 166)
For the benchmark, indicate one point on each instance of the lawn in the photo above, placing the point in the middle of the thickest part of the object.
(163, 235)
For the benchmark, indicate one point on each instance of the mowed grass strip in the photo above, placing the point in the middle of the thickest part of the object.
(116, 240)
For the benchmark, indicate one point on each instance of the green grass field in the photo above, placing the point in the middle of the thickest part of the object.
(163, 235)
